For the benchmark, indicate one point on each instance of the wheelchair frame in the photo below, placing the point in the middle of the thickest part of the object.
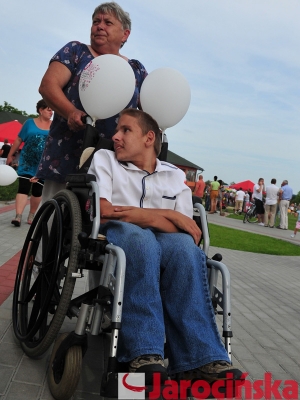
(92, 308)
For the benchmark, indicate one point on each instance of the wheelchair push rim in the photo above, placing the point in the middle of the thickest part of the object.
(36, 326)
(26, 323)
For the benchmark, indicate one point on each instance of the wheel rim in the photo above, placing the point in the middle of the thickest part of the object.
(32, 297)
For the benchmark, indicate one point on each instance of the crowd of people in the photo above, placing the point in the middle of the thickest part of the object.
(269, 200)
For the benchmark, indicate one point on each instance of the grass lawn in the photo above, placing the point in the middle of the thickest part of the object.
(235, 239)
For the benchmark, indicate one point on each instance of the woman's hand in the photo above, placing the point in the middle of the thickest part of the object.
(33, 179)
(9, 160)
(75, 120)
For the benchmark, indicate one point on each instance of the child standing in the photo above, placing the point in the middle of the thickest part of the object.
(297, 227)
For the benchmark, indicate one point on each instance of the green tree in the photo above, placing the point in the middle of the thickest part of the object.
(9, 108)
(296, 199)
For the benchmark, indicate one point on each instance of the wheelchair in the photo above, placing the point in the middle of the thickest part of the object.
(62, 243)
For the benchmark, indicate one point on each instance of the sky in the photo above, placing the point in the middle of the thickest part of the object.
(240, 58)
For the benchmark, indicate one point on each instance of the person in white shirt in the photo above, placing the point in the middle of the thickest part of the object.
(239, 200)
(258, 196)
(271, 203)
(146, 209)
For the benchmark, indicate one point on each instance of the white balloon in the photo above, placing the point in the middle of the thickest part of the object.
(106, 86)
(7, 175)
(166, 96)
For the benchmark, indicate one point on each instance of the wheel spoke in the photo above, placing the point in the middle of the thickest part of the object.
(52, 237)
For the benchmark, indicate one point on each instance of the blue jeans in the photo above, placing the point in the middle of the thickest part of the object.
(166, 294)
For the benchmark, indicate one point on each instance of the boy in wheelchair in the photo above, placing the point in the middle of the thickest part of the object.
(146, 209)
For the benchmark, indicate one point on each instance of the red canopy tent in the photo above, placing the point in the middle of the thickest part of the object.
(245, 185)
(10, 130)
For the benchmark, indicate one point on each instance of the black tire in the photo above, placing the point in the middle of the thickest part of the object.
(37, 325)
(28, 317)
(63, 384)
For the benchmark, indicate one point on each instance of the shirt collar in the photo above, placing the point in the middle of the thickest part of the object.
(160, 166)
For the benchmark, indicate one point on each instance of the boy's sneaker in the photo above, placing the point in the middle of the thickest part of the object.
(215, 371)
(292, 236)
(149, 363)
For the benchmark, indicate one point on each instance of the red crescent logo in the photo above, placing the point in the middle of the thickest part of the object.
(130, 387)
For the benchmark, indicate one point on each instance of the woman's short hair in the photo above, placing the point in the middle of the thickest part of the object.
(117, 11)
(146, 123)
(41, 104)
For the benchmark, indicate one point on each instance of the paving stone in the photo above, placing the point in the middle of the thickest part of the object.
(4, 326)
(23, 391)
(10, 354)
(6, 374)
(32, 370)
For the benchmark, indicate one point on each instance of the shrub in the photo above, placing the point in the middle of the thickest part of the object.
(9, 192)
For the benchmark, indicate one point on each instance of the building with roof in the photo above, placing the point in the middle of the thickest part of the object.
(190, 169)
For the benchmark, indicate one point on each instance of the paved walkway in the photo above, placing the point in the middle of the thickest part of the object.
(265, 313)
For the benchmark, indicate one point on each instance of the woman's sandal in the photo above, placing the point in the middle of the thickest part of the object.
(30, 218)
(17, 220)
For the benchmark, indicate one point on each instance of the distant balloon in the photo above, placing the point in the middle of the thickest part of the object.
(106, 86)
(7, 175)
(166, 96)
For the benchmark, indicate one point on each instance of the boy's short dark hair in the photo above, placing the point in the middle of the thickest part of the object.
(146, 123)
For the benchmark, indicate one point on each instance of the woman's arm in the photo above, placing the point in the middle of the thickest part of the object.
(51, 89)
(13, 149)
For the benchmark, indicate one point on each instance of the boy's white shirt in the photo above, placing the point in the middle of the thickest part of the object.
(124, 184)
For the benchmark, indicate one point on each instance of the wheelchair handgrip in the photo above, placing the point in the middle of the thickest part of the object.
(90, 138)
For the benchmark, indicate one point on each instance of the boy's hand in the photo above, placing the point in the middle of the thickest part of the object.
(134, 215)
(185, 224)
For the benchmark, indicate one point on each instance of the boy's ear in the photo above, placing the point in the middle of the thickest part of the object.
(150, 138)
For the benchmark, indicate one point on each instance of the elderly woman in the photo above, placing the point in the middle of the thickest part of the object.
(59, 87)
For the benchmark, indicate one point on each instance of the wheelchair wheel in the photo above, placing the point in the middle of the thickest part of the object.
(63, 382)
(40, 304)
(252, 218)
(250, 215)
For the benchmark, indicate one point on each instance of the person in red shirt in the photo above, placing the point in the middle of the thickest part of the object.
(199, 190)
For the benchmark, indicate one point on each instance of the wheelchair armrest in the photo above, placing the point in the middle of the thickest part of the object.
(79, 179)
